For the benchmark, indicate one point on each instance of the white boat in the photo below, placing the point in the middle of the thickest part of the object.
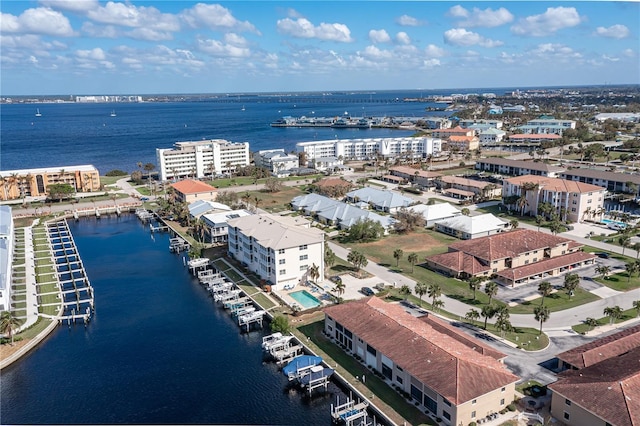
(243, 107)
(38, 112)
(113, 113)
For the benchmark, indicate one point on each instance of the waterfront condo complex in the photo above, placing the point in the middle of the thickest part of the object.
(198, 159)
(23, 183)
(366, 149)
(6, 256)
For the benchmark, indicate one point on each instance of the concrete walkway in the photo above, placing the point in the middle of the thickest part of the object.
(30, 279)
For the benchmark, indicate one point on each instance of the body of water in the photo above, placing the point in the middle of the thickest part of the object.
(72, 133)
(158, 350)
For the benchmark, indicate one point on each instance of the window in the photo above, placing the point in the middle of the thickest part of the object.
(503, 389)
(566, 415)
(535, 259)
(567, 402)
(281, 251)
(446, 415)
(502, 401)
(304, 267)
(473, 414)
(303, 247)
(399, 379)
(446, 402)
(283, 271)
(474, 402)
(281, 261)
(304, 257)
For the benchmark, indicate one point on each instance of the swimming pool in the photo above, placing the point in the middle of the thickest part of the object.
(305, 299)
(608, 222)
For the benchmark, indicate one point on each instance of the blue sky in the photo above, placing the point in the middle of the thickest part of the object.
(142, 47)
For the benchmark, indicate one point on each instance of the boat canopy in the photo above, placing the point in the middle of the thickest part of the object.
(299, 362)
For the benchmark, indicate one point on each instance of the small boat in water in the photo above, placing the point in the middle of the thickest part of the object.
(113, 113)
(38, 112)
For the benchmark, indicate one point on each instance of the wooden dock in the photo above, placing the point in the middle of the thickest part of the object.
(348, 412)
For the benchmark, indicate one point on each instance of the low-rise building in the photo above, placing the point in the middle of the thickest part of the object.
(201, 159)
(547, 126)
(452, 375)
(19, 184)
(491, 136)
(275, 160)
(279, 249)
(470, 227)
(496, 124)
(6, 257)
(533, 138)
(514, 257)
(418, 177)
(435, 212)
(190, 190)
(462, 143)
(200, 207)
(459, 187)
(217, 224)
(378, 199)
(455, 131)
(505, 166)
(572, 200)
(612, 181)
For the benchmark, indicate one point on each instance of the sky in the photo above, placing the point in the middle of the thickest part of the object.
(76, 47)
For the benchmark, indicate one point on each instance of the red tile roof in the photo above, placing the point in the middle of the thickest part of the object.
(610, 389)
(190, 186)
(459, 261)
(602, 349)
(454, 180)
(412, 172)
(457, 138)
(555, 184)
(508, 244)
(546, 265)
(329, 182)
(449, 367)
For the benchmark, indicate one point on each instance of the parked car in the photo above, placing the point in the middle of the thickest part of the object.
(144, 198)
(603, 255)
(367, 291)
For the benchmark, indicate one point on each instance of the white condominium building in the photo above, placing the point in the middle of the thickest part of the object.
(200, 159)
(279, 249)
(364, 149)
(6, 257)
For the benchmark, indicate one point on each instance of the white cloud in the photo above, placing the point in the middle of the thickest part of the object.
(614, 31)
(403, 38)
(103, 31)
(40, 20)
(379, 36)
(376, 54)
(128, 15)
(462, 37)
(434, 51)
(431, 63)
(488, 18)
(554, 19)
(95, 54)
(630, 53)
(215, 17)
(303, 28)
(408, 21)
(232, 45)
(149, 34)
(79, 6)
(555, 51)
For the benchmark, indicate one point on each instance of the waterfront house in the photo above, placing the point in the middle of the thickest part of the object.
(450, 374)
(200, 207)
(514, 257)
(378, 199)
(279, 249)
(470, 227)
(276, 161)
(435, 212)
(217, 224)
(23, 183)
(505, 166)
(6, 257)
(189, 191)
(573, 201)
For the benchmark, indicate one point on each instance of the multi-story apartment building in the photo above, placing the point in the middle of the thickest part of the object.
(468, 187)
(512, 258)
(189, 191)
(462, 143)
(366, 149)
(275, 160)
(15, 184)
(199, 159)
(6, 257)
(279, 249)
(547, 126)
(496, 124)
(533, 138)
(505, 166)
(217, 227)
(456, 131)
(614, 182)
(491, 136)
(419, 177)
(574, 201)
(455, 377)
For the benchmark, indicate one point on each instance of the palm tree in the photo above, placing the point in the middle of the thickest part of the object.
(544, 288)
(437, 305)
(8, 324)
(591, 322)
(434, 291)
(613, 312)
(412, 258)
(358, 260)
(487, 312)
(539, 221)
(314, 272)
(472, 316)
(329, 257)
(339, 287)
(624, 241)
(522, 203)
(603, 270)
(502, 320)
(636, 247)
(541, 314)
(631, 268)
(571, 282)
(636, 306)
(513, 223)
(405, 290)
(474, 284)
(397, 254)
(421, 289)
(491, 289)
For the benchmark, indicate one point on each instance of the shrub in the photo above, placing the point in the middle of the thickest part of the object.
(511, 407)
(473, 424)
(116, 172)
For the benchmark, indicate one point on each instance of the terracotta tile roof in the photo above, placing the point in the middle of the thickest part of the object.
(610, 389)
(546, 265)
(508, 244)
(459, 261)
(412, 172)
(449, 367)
(330, 182)
(456, 138)
(555, 184)
(190, 186)
(454, 180)
(602, 349)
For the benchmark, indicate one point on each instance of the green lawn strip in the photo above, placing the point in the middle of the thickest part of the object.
(19, 297)
(47, 288)
(19, 287)
(19, 269)
(19, 305)
(248, 288)
(45, 278)
(20, 313)
(263, 301)
(618, 256)
(390, 401)
(49, 310)
(626, 316)
(49, 298)
(273, 202)
(110, 180)
(557, 301)
(248, 180)
(620, 281)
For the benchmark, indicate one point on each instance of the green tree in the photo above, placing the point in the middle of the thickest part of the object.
(339, 287)
(474, 284)
(541, 314)
(571, 282)
(329, 256)
(472, 316)
(437, 305)
(487, 312)
(405, 290)
(539, 221)
(365, 230)
(434, 291)
(603, 270)
(624, 240)
(60, 191)
(397, 255)
(544, 288)
(613, 312)
(9, 323)
(491, 289)
(273, 184)
(357, 259)
(421, 289)
(280, 324)
(636, 306)
(314, 272)
(502, 320)
(149, 167)
(513, 223)
(631, 268)
(591, 323)
(413, 259)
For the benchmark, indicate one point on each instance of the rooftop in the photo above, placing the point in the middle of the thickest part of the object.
(464, 181)
(435, 211)
(603, 175)
(414, 172)
(277, 232)
(534, 136)
(555, 184)
(545, 265)
(474, 224)
(68, 169)
(190, 186)
(531, 165)
(381, 198)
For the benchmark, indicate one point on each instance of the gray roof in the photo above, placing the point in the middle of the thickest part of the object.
(603, 175)
(380, 198)
(436, 211)
(5, 221)
(222, 218)
(531, 165)
(198, 208)
(473, 224)
(278, 232)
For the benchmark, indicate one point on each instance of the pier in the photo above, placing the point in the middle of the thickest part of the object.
(348, 412)
(177, 245)
(252, 318)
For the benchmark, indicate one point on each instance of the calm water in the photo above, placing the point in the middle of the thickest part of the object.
(70, 134)
(158, 350)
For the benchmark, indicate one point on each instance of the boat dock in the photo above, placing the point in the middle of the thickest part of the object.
(348, 412)
(253, 317)
(97, 211)
(177, 245)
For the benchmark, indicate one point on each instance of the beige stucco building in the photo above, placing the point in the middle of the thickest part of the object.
(16, 184)
(189, 191)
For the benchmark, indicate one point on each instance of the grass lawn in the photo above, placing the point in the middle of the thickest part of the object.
(626, 316)
(274, 201)
(110, 180)
(620, 281)
(249, 180)
(618, 256)
(390, 401)
(263, 301)
(557, 301)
